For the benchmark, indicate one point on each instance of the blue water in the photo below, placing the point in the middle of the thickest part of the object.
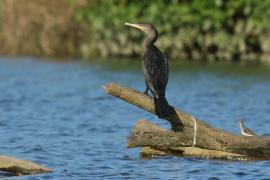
(57, 115)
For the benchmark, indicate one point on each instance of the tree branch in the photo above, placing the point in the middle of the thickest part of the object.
(207, 137)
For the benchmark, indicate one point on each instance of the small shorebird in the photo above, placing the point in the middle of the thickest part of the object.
(245, 131)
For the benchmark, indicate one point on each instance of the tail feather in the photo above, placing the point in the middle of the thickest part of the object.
(162, 108)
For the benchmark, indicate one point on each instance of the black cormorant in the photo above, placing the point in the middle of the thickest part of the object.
(155, 68)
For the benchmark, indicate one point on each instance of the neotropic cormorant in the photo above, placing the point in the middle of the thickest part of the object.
(245, 131)
(155, 68)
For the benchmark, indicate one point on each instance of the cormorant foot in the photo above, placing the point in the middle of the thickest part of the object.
(146, 93)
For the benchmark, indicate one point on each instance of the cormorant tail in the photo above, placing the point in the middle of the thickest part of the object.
(162, 108)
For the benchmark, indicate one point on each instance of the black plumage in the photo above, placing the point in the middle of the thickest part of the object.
(156, 70)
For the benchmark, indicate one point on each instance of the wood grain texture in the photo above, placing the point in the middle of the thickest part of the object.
(182, 124)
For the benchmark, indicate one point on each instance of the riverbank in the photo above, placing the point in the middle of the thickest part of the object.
(230, 31)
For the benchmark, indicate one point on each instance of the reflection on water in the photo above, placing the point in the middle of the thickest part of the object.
(56, 114)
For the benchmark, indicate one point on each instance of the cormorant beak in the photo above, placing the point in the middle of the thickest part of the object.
(135, 25)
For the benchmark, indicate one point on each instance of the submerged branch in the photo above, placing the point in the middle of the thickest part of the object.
(20, 167)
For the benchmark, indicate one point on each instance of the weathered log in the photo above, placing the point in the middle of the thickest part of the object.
(192, 152)
(207, 137)
(148, 134)
(160, 143)
(20, 167)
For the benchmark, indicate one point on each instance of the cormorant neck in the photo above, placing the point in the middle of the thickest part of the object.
(150, 39)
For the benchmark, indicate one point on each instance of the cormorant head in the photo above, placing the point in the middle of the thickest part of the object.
(148, 28)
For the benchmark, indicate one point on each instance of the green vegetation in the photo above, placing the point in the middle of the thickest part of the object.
(213, 30)
(193, 29)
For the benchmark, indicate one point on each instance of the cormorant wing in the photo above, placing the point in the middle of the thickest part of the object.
(155, 67)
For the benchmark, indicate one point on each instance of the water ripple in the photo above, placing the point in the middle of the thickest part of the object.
(57, 114)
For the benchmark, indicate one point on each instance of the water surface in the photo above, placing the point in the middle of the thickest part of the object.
(57, 115)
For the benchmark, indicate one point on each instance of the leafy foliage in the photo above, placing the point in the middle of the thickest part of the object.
(193, 29)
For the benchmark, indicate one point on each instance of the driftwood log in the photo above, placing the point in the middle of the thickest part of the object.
(160, 142)
(210, 142)
(20, 167)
